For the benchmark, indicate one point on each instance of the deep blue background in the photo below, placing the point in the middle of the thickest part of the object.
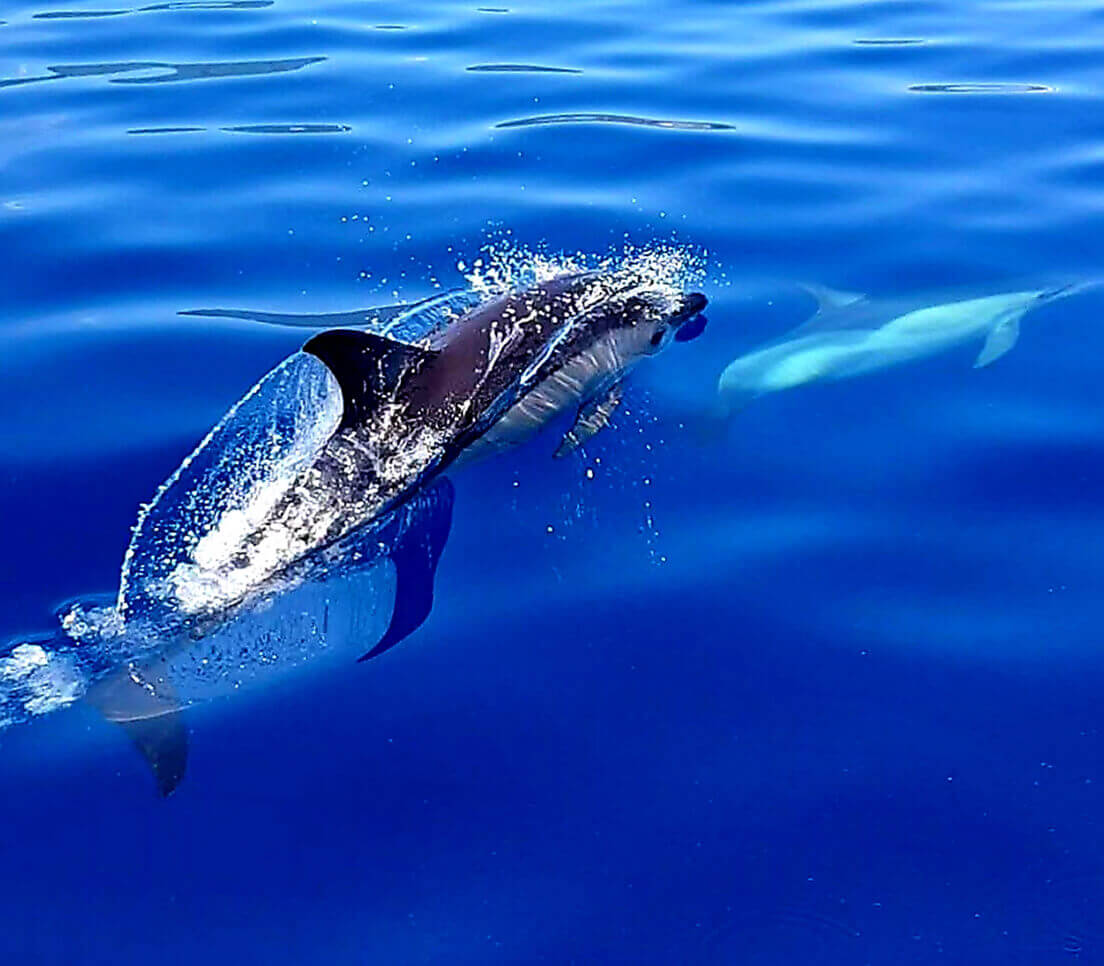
(828, 692)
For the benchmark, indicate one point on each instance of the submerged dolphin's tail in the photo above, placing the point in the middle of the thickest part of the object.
(1067, 289)
(146, 708)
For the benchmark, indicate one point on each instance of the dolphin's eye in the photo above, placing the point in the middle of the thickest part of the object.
(657, 337)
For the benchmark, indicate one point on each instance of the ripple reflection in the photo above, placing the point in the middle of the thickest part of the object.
(175, 72)
(522, 68)
(165, 130)
(889, 42)
(669, 125)
(174, 5)
(786, 936)
(288, 128)
(981, 88)
(310, 128)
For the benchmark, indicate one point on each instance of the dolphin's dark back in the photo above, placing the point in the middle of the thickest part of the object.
(486, 350)
(467, 376)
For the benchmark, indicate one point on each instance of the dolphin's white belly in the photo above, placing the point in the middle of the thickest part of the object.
(563, 391)
(788, 364)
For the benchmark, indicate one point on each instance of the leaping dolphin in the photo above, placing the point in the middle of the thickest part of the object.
(394, 415)
(331, 464)
(852, 334)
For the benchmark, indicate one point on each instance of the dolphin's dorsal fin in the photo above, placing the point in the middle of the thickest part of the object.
(367, 367)
(421, 531)
(148, 711)
(1001, 338)
(831, 298)
(593, 416)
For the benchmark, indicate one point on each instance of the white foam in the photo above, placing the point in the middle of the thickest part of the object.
(41, 680)
(93, 625)
(55, 685)
(505, 266)
(190, 542)
(23, 661)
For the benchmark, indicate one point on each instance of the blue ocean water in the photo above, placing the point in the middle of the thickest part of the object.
(823, 691)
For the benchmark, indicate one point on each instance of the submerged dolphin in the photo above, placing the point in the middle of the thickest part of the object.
(333, 465)
(852, 334)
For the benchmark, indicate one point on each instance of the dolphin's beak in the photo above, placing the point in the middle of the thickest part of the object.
(690, 330)
(692, 322)
(693, 303)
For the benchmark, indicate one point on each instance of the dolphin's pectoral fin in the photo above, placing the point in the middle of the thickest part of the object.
(367, 367)
(1002, 337)
(830, 298)
(593, 415)
(423, 529)
(149, 712)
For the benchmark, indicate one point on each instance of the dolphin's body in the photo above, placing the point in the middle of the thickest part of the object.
(852, 334)
(333, 464)
(395, 415)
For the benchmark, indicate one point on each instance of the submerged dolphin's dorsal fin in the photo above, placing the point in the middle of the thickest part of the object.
(831, 298)
(367, 367)
(593, 416)
(422, 529)
(1001, 338)
(149, 712)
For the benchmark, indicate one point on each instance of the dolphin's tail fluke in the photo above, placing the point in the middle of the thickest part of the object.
(146, 708)
(45, 675)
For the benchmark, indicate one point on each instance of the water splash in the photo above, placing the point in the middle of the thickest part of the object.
(336, 610)
(504, 265)
(180, 556)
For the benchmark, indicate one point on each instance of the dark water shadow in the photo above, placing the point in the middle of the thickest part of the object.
(521, 69)
(174, 72)
(669, 125)
(784, 936)
(1055, 475)
(1060, 919)
(156, 7)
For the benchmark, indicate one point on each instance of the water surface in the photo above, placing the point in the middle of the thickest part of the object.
(826, 691)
